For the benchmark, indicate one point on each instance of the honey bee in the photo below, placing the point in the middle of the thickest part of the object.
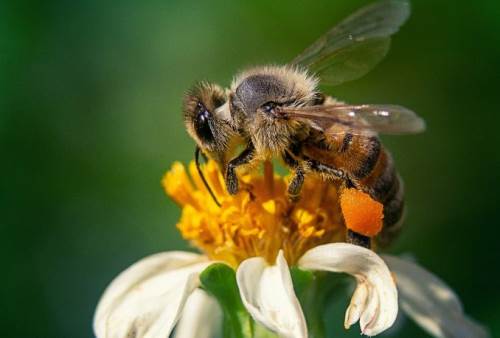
(279, 112)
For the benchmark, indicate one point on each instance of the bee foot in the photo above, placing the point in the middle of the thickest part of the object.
(358, 239)
(232, 186)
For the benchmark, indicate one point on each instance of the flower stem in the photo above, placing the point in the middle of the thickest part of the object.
(314, 291)
(219, 280)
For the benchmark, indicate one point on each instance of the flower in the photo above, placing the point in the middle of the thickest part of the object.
(261, 234)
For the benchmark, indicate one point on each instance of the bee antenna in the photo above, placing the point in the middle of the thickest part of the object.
(197, 161)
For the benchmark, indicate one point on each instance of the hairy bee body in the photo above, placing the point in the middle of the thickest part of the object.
(279, 112)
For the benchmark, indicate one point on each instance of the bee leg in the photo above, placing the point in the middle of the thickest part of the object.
(231, 179)
(334, 173)
(297, 181)
(358, 239)
(296, 184)
(326, 169)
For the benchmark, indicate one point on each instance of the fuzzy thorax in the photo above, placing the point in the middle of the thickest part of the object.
(256, 91)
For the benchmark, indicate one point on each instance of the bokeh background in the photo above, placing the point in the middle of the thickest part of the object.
(90, 96)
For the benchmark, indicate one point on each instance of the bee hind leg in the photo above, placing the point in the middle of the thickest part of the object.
(329, 171)
(244, 158)
(334, 173)
(358, 239)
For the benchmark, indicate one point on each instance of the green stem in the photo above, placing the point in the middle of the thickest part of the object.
(219, 280)
(314, 291)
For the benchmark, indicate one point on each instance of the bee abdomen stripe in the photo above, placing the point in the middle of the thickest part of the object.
(393, 211)
(369, 162)
(387, 183)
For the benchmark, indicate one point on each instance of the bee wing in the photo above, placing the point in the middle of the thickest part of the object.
(334, 119)
(357, 44)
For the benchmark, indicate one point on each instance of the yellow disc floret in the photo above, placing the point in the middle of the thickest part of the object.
(259, 220)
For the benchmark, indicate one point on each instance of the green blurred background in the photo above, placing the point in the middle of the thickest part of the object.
(90, 96)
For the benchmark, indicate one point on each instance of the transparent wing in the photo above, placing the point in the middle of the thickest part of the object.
(358, 119)
(352, 48)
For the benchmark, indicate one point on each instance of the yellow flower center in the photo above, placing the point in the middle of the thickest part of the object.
(258, 221)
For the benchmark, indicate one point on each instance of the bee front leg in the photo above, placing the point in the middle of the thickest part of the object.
(231, 179)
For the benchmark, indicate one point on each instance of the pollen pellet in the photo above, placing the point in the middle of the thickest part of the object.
(362, 214)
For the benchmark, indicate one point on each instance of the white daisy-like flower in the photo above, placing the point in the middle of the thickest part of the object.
(260, 234)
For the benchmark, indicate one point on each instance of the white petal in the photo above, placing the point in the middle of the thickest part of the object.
(375, 300)
(146, 299)
(201, 317)
(431, 303)
(268, 295)
(354, 310)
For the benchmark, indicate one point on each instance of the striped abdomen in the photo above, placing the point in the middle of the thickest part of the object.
(380, 179)
(367, 166)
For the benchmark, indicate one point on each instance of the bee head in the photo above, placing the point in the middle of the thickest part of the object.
(205, 121)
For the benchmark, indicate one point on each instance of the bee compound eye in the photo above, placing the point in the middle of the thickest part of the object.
(202, 124)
